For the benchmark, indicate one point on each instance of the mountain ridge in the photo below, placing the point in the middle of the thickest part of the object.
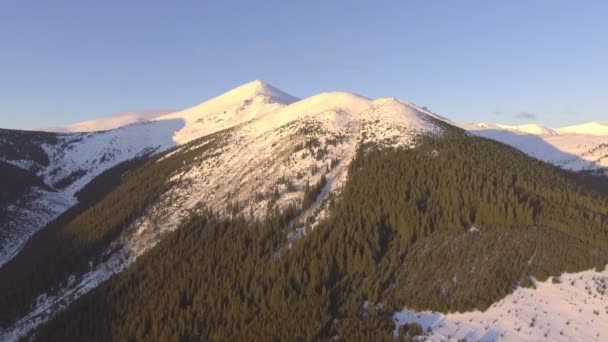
(260, 102)
(254, 153)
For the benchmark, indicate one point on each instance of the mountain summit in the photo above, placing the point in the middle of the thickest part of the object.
(234, 107)
(590, 128)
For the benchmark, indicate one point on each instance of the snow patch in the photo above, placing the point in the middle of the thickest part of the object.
(573, 309)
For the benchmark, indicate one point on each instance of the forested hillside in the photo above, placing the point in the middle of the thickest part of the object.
(74, 242)
(26, 146)
(454, 224)
(21, 183)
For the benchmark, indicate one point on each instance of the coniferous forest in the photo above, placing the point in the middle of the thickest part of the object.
(406, 224)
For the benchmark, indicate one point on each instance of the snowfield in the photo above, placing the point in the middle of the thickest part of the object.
(108, 122)
(239, 105)
(574, 307)
(591, 128)
(529, 129)
(574, 148)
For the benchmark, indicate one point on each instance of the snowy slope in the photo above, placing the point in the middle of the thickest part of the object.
(239, 105)
(78, 158)
(532, 129)
(75, 159)
(269, 154)
(591, 128)
(108, 122)
(529, 129)
(567, 150)
(574, 308)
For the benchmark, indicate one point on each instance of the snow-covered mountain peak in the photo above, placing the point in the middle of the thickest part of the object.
(581, 147)
(234, 107)
(590, 128)
(395, 103)
(531, 129)
(534, 129)
(253, 89)
(329, 101)
(108, 122)
(594, 128)
(269, 160)
(398, 110)
(382, 100)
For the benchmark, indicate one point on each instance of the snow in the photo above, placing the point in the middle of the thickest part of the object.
(530, 129)
(108, 122)
(48, 305)
(574, 308)
(570, 151)
(591, 128)
(28, 215)
(239, 105)
(473, 229)
(91, 153)
(533, 129)
(263, 150)
(95, 152)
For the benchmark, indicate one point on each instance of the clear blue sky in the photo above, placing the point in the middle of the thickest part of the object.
(491, 61)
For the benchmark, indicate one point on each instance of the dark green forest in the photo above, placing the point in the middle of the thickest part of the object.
(16, 181)
(21, 182)
(400, 233)
(26, 145)
(68, 244)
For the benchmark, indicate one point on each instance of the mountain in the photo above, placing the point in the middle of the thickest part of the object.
(239, 105)
(394, 211)
(66, 162)
(329, 215)
(530, 129)
(575, 148)
(591, 128)
(272, 147)
(108, 122)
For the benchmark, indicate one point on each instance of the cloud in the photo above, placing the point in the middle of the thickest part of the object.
(525, 116)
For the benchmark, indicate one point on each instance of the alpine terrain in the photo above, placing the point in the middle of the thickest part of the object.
(257, 215)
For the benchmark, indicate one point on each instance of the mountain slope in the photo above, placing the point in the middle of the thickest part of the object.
(591, 128)
(229, 109)
(67, 162)
(530, 129)
(398, 235)
(528, 314)
(568, 150)
(268, 163)
(108, 122)
(324, 214)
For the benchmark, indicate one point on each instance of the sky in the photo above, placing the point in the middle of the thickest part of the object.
(511, 62)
